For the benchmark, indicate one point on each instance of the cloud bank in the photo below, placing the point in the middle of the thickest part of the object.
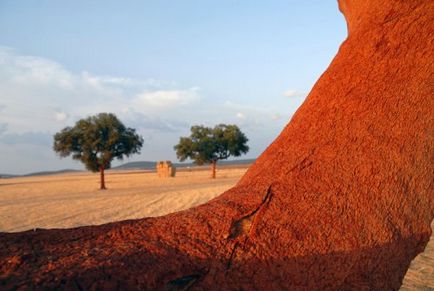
(39, 93)
(40, 97)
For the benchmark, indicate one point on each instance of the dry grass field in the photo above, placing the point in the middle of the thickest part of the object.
(71, 200)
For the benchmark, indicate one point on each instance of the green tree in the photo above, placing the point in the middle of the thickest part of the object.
(208, 145)
(96, 141)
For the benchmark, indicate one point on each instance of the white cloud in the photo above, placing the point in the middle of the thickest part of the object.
(276, 116)
(248, 116)
(61, 116)
(241, 115)
(293, 93)
(126, 82)
(42, 72)
(166, 98)
(39, 97)
(35, 91)
(253, 113)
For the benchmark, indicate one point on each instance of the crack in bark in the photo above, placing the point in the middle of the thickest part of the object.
(304, 163)
(183, 283)
(232, 255)
(242, 227)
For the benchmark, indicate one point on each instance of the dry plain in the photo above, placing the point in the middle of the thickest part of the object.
(73, 199)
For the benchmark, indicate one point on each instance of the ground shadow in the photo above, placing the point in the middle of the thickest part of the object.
(126, 265)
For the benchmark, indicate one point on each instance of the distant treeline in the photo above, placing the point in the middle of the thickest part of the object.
(143, 165)
(147, 165)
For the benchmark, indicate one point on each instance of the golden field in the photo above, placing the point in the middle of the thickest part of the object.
(73, 199)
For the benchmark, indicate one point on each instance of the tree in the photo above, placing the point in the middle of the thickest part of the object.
(96, 141)
(208, 145)
(341, 200)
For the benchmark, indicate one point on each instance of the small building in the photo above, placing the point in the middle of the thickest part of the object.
(165, 169)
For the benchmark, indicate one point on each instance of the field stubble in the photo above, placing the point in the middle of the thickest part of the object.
(71, 200)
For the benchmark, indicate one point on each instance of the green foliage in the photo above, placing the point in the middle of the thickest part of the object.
(97, 140)
(208, 145)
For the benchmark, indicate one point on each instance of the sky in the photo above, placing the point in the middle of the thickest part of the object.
(160, 66)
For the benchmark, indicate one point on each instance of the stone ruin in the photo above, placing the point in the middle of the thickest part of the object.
(165, 169)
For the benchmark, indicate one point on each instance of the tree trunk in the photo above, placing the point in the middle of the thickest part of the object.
(102, 179)
(342, 199)
(213, 169)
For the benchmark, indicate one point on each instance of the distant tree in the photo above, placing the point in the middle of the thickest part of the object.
(208, 145)
(96, 141)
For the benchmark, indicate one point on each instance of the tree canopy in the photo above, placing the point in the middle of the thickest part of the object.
(96, 141)
(208, 145)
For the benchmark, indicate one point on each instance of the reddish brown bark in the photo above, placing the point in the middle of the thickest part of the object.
(102, 179)
(342, 199)
(213, 169)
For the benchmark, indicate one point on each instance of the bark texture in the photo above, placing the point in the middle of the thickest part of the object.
(213, 169)
(342, 199)
(102, 179)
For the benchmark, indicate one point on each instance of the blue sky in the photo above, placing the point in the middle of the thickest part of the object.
(161, 66)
